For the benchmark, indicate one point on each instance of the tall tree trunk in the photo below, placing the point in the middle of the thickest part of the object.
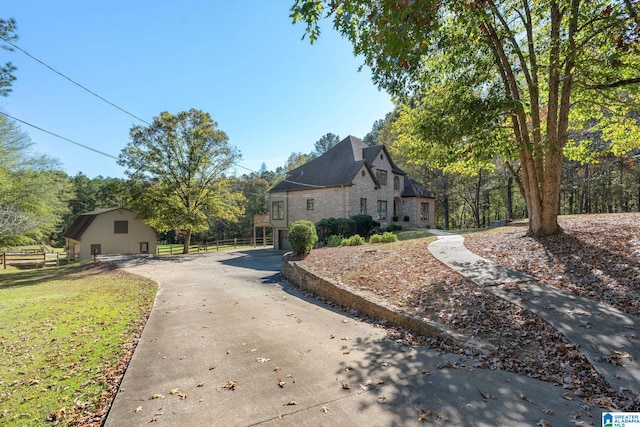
(445, 202)
(510, 198)
(187, 242)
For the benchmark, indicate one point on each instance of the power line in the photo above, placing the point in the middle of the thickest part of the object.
(73, 81)
(58, 136)
(89, 91)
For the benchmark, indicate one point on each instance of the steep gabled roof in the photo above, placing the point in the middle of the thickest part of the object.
(371, 153)
(413, 189)
(337, 167)
(82, 222)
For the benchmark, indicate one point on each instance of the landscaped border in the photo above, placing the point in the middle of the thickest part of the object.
(303, 278)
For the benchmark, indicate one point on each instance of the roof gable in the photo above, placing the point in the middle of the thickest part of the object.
(336, 167)
(413, 189)
(82, 222)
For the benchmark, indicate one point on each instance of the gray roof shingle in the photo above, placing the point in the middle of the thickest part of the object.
(335, 168)
(82, 222)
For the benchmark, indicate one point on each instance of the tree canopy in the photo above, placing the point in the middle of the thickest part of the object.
(176, 168)
(534, 69)
(7, 32)
(325, 142)
(33, 190)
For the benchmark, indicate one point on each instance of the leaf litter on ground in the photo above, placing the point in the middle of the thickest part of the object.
(597, 256)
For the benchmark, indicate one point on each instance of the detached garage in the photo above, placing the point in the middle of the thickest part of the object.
(109, 231)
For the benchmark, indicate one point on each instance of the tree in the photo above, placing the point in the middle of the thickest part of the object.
(325, 143)
(7, 33)
(176, 168)
(295, 160)
(33, 191)
(539, 67)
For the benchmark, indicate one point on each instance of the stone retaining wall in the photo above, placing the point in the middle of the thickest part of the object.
(303, 278)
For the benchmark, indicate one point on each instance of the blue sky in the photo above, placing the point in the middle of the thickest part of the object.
(241, 61)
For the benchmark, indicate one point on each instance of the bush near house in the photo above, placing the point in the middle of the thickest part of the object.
(325, 228)
(393, 227)
(335, 241)
(376, 238)
(364, 224)
(346, 227)
(302, 237)
(354, 240)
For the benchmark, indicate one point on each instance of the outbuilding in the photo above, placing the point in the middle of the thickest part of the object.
(109, 231)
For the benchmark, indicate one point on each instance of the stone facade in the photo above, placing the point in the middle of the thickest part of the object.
(376, 188)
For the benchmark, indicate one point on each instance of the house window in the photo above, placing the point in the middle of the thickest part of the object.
(120, 227)
(382, 177)
(382, 210)
(310, 204)
(277, 210)
(396, 183)
(424, 211)
(363, 206)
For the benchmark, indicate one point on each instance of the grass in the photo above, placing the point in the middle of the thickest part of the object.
(413, 234)
(63, 333)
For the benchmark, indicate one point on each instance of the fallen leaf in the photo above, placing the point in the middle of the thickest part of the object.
(281, 383)
(138, 409)
(291, 403)
(182, 396)
(173, 391)
(157, 396)
(229, 385)
(262, 360)
(423, 415)
(324, 409)
(346, 385)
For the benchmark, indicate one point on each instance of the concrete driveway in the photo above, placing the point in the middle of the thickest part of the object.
(229, 343)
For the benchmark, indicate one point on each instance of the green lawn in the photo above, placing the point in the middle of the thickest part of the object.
(63, 334)
(413, 234)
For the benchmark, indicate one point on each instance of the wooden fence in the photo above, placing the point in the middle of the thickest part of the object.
(31, 258)
(212, 246)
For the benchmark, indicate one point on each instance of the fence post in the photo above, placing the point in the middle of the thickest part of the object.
(217, 244)
(4, 260)
(235, 243)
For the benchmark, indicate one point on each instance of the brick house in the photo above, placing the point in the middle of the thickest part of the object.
(349, 179)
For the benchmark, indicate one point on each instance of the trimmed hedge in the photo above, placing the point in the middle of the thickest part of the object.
(302, 237)
(364, 224)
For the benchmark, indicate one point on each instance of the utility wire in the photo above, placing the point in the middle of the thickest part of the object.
(92, 93)
(58, 136)
(73, 81)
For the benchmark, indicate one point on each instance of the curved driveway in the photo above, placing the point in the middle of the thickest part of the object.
(230, 343)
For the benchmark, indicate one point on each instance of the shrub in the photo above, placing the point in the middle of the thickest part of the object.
(376, 238)
(335, 240)
(325, 228)
(393, 227)
(364, 224)
(346, 227)
(302, 237)
(389, 237)
(355, 240)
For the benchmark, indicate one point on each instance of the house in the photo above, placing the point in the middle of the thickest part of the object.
(109, 231)
(350, 178)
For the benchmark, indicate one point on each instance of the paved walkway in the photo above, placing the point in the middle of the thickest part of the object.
(599, 330)
(229, 343)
